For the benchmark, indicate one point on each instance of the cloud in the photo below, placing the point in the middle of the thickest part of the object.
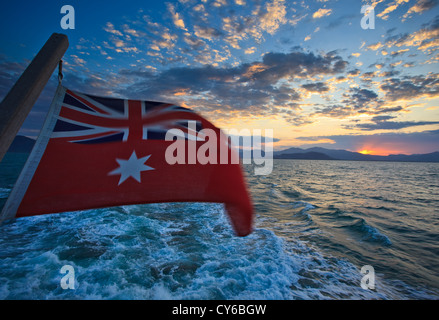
(375, 46)
(361, 99)
(321, 13)
(420, 7)
(234, 31)
(383, 124)
(109, 27)
(382, 118)
(96, 84)
(208, 33)
(219, 3)
(78, 61)
(265, 18)
(334, 111)
(132, 32)
(165, 41)
(386, 110)
(250, 50)
(301, 65)
(411, 87)
(354, 102)
(119, 43)
(256, 88)
(398, 52)
(127, 41)
(390, 8)
(194, 43)
(9, 73)
(425, 39)
(176, 17)
(273, 17)
(316, 87)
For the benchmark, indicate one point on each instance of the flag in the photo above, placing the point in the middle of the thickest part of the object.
(96, 152)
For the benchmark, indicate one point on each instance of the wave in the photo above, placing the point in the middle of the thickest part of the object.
(371, 234)
(304, 208)
(363, 230)
(354, 224)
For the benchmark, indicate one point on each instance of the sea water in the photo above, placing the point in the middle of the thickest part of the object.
(317, 224)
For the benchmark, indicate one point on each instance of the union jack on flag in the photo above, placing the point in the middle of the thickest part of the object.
(88, 119)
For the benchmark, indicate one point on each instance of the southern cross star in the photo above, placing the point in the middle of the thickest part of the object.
(131, 167)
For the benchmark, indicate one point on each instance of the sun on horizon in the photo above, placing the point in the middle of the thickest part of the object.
(366, 151)
(377, 152)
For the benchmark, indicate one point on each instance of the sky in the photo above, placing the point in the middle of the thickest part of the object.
(306, 69)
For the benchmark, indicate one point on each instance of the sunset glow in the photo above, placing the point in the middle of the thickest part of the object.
(382, 151)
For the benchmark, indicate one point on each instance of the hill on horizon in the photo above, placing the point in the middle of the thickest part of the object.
(338, 154)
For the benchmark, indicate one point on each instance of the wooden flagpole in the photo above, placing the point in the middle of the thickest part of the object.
(19, 101)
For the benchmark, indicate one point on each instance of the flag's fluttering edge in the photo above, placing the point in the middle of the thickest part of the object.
(96, 152)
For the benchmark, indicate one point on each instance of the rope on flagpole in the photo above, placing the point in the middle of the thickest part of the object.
(60, 75)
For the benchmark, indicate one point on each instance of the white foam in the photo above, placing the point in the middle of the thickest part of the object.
(168, 251)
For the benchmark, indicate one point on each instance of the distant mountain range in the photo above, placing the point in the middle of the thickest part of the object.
(318, 153)
(23, 144)
(311, 155)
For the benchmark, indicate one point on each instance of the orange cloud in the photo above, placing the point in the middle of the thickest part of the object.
(321, 13)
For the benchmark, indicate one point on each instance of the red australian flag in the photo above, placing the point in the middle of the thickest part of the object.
(98, 152)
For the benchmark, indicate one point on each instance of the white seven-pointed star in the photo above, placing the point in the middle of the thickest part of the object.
(131, 167)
